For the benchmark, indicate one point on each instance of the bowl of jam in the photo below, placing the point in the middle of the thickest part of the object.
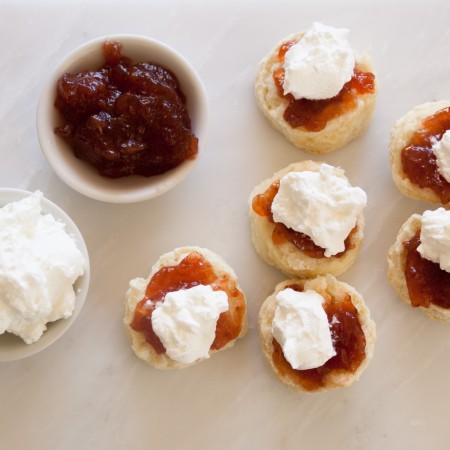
(123, 118)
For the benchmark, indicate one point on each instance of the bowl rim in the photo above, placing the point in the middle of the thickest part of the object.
(57, 328)
(125, 189)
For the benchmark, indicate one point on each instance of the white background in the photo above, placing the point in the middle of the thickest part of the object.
(88, 390)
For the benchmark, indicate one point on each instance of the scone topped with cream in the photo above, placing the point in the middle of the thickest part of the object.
(419, 153)
(315, 90)
(419, 263)
(189, 307)
(316, 334)
(307, 219)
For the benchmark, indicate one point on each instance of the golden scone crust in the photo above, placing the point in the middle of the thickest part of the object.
(286, 256)
(136, 293)
(326, 286)
(396, 260)
(401, 134)
(338, 131)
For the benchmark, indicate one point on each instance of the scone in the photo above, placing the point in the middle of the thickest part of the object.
(306, 112)
(307, 317)
(415, 139)
(418, 263)
(189, 307)
(324, 211)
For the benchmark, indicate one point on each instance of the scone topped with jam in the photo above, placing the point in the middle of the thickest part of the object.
(419, 153)
(307, 220)
(189, 307)
(316, 334)
(315, 91)
(419, 263)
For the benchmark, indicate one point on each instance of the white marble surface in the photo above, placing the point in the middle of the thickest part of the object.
(89, 391)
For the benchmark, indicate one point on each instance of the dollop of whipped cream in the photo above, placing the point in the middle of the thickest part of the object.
(441, 149)
(435, 237)
(186, 322)
(300, 326)
(39, 263)
(319, 65)
(320, 204)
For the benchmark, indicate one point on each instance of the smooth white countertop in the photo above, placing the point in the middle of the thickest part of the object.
(88, 390)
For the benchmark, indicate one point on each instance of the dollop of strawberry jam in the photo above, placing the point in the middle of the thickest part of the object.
(418, 159)
(349, 343)
(427, 283)
(192, 271)
(313, 115)
(262, 205)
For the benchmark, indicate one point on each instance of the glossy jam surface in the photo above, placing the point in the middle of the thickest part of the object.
(348, 340)
(427, 282)
(193, 270)
(262, 205)
(125, 119)
(419, 160)
(313, 115)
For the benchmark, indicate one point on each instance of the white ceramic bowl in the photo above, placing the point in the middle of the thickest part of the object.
(80, 175)
(13, 347)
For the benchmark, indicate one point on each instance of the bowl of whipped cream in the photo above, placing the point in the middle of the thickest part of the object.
(44, 273)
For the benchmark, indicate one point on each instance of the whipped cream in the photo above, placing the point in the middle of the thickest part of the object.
(186, 322)
(39, 263)
(441, 149)
(435, 237)
(320, 204)
(300, 326)
(319, 65)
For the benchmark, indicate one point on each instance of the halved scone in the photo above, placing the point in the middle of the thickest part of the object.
(414, 167)
(419, 282)
(290, 251)
(193, 279)
(317, 126)
(353, 335)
